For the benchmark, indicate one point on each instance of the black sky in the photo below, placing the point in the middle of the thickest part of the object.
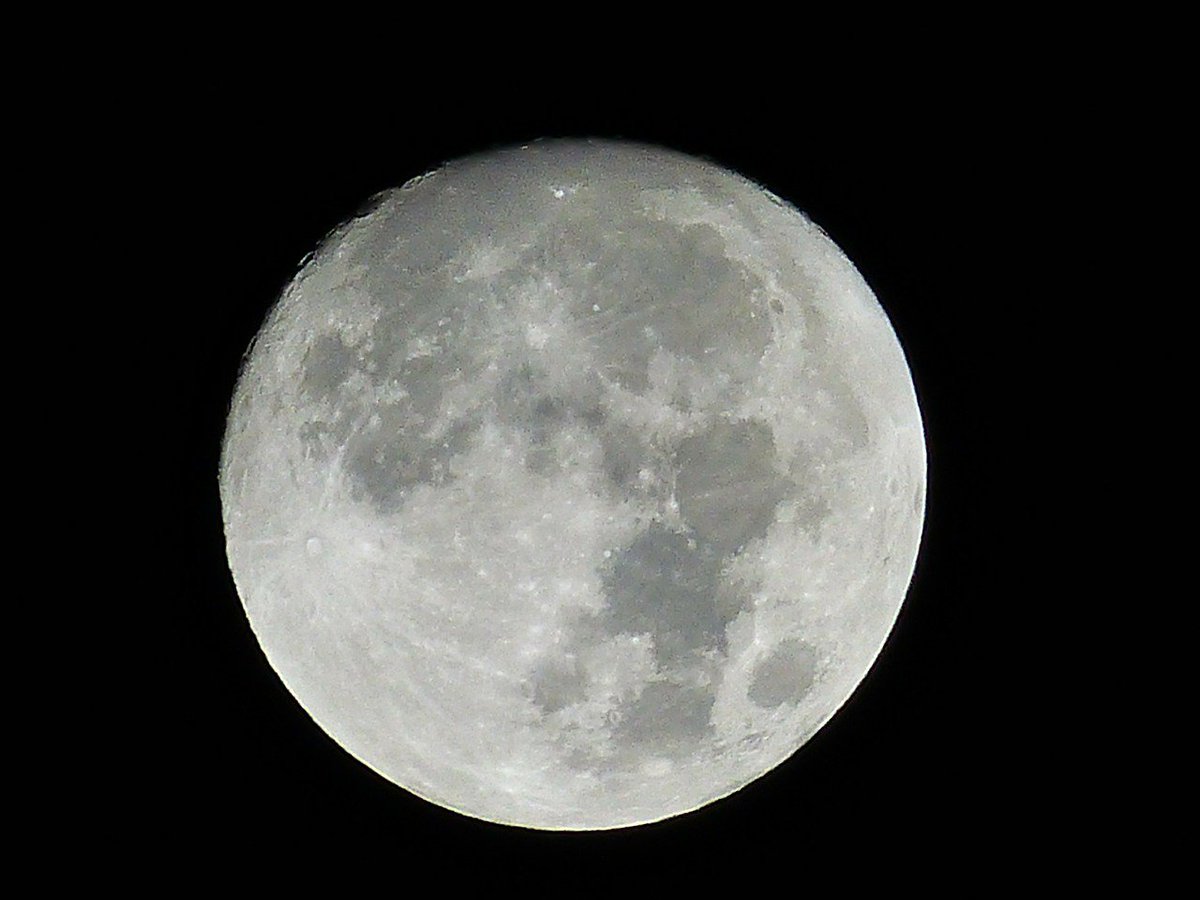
(906, 176)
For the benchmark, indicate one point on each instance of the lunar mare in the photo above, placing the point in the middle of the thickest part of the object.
(574, 485)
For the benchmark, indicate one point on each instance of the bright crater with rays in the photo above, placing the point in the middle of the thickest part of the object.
(575, 485)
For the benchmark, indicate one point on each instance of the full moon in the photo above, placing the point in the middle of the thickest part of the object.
(574, 485)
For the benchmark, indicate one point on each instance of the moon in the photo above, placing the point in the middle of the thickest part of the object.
(574, 485)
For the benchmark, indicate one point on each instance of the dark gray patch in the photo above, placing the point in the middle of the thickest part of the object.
(549, 412)
(549, 416)
(624, 456)
(666, 714)
(541, 460)
(785, 676)
(401, 449)
(841, 406)
(681, 401)
(732, 597)
(415, 234)
(813, 508)
(523, 401)
(558, 684)
(593, 416)
(658, 284)
(918, 500)
(327, 365)
(426, 308)
(517, 393)
(313, 435)
(386, 459)
(408, 444)
(726, 485)
(423, 378)
(850, 419)
(776, 306)
(665, 585)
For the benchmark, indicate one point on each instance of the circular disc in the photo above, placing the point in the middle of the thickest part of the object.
(574, 485)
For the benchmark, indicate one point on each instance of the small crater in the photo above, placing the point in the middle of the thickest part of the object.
(783, 677)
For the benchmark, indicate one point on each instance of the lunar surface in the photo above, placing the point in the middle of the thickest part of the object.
(574, 486)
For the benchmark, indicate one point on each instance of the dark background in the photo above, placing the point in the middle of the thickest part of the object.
(911, 177)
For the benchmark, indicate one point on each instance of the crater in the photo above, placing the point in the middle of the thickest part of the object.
(665, 584)
(727, 487)
(785, 676)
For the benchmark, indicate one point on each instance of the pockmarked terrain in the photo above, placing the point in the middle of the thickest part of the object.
(575, 485)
